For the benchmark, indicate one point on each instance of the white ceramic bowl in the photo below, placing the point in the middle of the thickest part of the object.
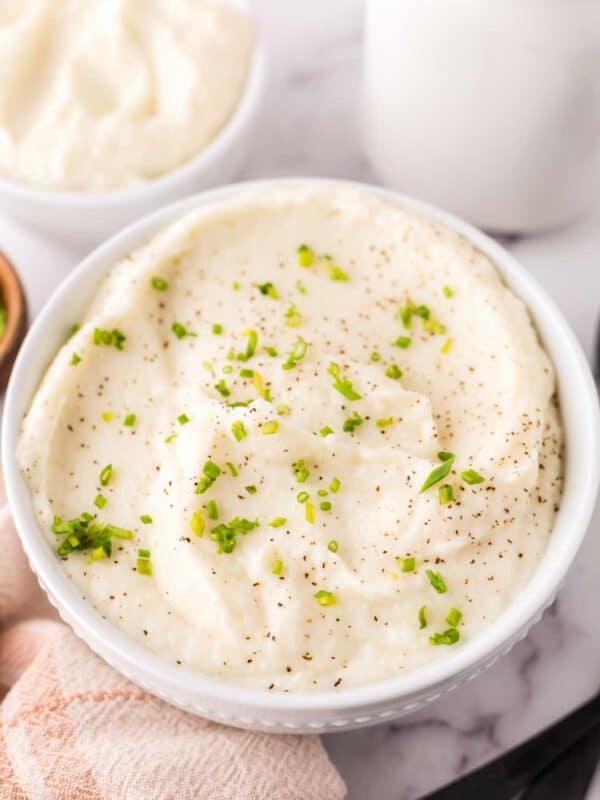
(89, 217)
(330, 710)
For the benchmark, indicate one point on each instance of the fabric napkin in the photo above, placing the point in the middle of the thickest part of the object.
(71, 728)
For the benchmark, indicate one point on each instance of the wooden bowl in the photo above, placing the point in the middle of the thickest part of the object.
(13, 300)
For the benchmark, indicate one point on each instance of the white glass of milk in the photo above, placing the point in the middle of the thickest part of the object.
(490, 108)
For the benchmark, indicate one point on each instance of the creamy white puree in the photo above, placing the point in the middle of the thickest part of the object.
(98, 95)
(475, 382)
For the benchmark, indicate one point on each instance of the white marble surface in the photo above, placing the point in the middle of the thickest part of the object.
(310, 127)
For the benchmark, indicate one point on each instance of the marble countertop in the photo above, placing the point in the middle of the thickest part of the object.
(310, 127)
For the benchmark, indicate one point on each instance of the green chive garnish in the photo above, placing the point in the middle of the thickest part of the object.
(271, 351)
(407, 564)
(440, 472)
(277, 567)
(448, 291)
(106, 475)
(385, 423)
(210, 473)
(232, 469)
(300, 471)
(454, 617)
(100, 501)
(375, 357)
(326, 431)
(293, 317)
(146, 519)
(130, 420)
(422, 618)
(251, 489)
(107, 416)
(269, 428)
(336, 273)
(297, 353)
(246, 373)
(159, 284)
(107, 338)
(183, 419)
(302, 497)
(278, 522)
(344, 387)
(212, 510)
(471, 477)
(334, 485)
(217, 329)
(352, 423)
(75, 359)
(446, 493)
(403, 342)
(268, 290)
(197, 523)
(305, 256)
(333, 546)
(325, 598)
(181, 331)
(144, 566)
(436, 580)
(309, 513)
(451, 636)
(250, 345)
(238, 429)
(325, 505)
(394, 372)
(222, 388)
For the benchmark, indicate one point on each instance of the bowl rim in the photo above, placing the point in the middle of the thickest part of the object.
(581, 478)
(153, 188)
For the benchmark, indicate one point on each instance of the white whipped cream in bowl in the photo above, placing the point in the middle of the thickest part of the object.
(309, 457)
(108, 110)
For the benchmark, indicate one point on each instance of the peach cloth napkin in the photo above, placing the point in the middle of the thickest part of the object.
(71, 728)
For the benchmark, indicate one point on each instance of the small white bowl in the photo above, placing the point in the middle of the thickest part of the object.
(89, 217)
(330, 710)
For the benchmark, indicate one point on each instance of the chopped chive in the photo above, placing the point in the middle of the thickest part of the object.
(301, 287)
(107, 416)
(344, 387)
(246, 373)
(217, 328)
(471, 477)
(144, 566)
(448, 291)
(236, 286)
(222, 388)
(333, 546)
(422, 618)
(232, 469)
(293, 317)
(352, 423)
(100, 501)
(73, 330)
(250, 345)
(322, 492)
(271, 351)
(297, 353)
(225, 534)
(107, 338)
(159, 284)
(447, 346)
(277, 567)
(334, 485)
(403, 342)
(440, 472)
(144, 553)
(106, 475)
(181, 331)
(305, 256)
(325, 598)
(309, 512)
(394, 372)
(75, 359)
(130, 420)
(433, 326)
(170, 438)
(197, 523)
(268, 290)
(451, 636)
(407, 564)
(336, 273)
(212, 510)
(423, 312)
(436, 580)
(183, 419)
(146, 519)
(375, 356)
(454, 617)
(210, 473)
(325, 505)
(269, 428)
(405, 314)
(227, 369)
(325, 431)
(251, 489)
(445, 493)
(283, 410)
(303, 497)
(278, 522)
(238, 430)
(300, 471)
(385, 423)
(98, 553)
